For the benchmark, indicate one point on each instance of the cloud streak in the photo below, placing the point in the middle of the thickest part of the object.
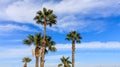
(12, 27)
(91, 45)
(16, 52)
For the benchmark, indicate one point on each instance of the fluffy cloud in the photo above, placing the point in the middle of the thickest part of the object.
(24, 10)
(21, 11)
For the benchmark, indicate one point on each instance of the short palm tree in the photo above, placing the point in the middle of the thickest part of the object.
(26, 60)
(37, 41)
(74, 37)
(65, 62)
(45, 17)
(34, 40)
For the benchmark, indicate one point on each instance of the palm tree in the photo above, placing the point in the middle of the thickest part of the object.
(26, 60)
(74, 37)
(45, 17)
(65, 62)
(34, 40)
(50, 46)
(37, 41)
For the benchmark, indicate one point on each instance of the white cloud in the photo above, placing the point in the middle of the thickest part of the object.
(79, 6)
(56, 64)
(8, 52)
(71, 22)
(99, 65)
(91, 45)
(14, 52)
(12, 27)
(23, 11)
(84, 65)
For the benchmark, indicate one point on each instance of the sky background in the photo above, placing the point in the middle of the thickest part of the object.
(98, 22)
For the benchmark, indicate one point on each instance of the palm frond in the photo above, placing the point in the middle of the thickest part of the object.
(31, 37)
(59, 65)
(52, 49)
(65, 61)
(26, 59)
(46, 51)
(27, 42)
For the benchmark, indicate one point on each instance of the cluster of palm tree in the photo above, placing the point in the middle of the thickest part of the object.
(43, 43)
(36, 40)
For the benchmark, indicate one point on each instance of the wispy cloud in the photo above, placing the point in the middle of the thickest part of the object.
(79, 6)
(12, 27)
(15, 52)
(71, 22)
(23, 11)
(22, 51)
(98, 65)
(91, 45)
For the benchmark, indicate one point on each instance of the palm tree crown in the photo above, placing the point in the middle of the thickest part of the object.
(46, 16)
(33, 39)
(26, 59)
(37, 41)
(74, 36)
(65, 62)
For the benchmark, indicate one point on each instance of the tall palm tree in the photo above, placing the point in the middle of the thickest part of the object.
(26, 60)
(65, 62)
(74, 37)
(34, 40)
(45, 17)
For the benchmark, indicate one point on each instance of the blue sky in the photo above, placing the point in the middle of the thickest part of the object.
(98, 22)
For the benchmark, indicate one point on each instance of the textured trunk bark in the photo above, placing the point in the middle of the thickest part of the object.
(37, 60)
(40, 61)
(25, 65)
(73, 53)
(43, 46)
(37, 54)
(64, 65)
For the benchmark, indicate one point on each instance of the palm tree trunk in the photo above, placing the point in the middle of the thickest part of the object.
(73, 53)
(65, 66)
(40, 61)
(43, 46)
(37, 54)
(37, 60)
(25, 65)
